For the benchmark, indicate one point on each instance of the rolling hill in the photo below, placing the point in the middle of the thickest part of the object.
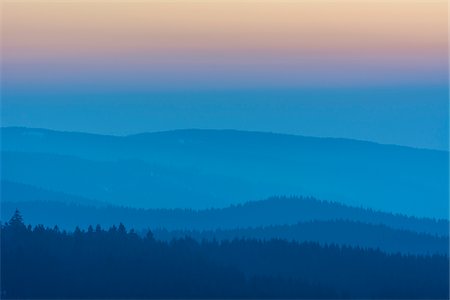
(337, 232)
(215, 168)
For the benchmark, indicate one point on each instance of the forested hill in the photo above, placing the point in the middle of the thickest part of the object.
(51, 208)
(117, 263)
(326, 232)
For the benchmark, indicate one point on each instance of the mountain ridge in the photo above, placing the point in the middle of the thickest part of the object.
(329, 232)
(269, 212)
(209, 130)
(249, 166)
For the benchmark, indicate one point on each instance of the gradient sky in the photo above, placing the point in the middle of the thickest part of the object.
(372, 70)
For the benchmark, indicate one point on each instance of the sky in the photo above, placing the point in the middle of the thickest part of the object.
(369, 70)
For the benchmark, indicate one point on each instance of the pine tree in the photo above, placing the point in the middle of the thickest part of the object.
(122, 229)
(16, 221)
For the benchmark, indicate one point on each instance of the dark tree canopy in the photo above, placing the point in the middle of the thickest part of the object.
(117, 263)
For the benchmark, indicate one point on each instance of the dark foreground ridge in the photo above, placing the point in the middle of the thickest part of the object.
(115, 263)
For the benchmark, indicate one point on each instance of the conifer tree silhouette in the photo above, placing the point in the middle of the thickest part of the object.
(16, 221)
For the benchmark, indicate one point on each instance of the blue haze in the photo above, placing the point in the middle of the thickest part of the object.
(411, 116)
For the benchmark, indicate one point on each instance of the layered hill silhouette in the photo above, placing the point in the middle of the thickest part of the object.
(216, 168)
(52, 208)
(18, 192)
(125, 182)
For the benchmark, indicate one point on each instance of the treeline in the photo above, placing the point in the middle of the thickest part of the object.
(117, 263)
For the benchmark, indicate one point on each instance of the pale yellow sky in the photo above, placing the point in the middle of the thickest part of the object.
(34, 30)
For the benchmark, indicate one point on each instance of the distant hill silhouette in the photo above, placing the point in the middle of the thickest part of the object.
(18, 192)
(125, 182)
(233, 166)
(273, 211)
